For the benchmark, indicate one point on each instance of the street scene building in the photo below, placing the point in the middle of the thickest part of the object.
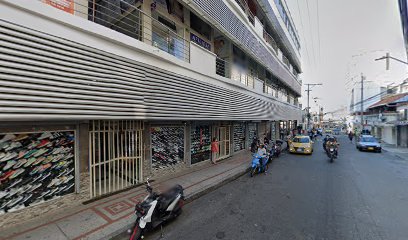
(99, 95)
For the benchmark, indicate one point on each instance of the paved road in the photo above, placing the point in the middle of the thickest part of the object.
(360, 196)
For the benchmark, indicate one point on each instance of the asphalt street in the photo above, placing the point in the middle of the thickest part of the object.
(362, 195)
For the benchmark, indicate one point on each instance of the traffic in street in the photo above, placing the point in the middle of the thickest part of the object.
(361, 195)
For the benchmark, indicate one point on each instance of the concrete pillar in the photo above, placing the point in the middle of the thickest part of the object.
(187, 144)
(81, 8)
(147, 152)
(83, 149)
(147, 22)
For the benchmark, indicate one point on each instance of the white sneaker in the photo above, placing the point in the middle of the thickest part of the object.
(7, 138)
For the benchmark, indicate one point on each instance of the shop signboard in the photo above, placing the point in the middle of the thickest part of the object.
(64, 5)
(167, 146)
(196, 39)
(35, 167)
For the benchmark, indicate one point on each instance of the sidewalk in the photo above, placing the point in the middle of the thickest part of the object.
(110, 216)
(397, 151)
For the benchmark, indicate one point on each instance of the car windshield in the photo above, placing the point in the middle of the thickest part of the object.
(368, 139)
(301, 140)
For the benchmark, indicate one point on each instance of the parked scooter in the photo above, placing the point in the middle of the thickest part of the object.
(259, 164)
(157, 209)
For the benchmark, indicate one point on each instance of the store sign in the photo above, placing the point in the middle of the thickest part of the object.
(64, 5)
(194, 38)
(35, 167)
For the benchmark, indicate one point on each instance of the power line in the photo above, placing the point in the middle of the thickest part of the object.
(303, 30)
(378, 94)
(318, 26)
(311, 35)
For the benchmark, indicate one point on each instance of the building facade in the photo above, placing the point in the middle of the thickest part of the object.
(97, 95)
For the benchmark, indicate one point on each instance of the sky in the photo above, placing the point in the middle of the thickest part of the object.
(340, 40)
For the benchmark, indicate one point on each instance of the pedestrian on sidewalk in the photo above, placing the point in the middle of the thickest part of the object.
(214, 150)
(351, 135)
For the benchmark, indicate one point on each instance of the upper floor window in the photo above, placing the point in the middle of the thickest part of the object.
(200, 26)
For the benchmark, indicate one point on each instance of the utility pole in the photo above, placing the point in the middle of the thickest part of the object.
(308, 99)
(362, 102)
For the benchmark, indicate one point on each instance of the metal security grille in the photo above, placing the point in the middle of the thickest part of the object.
(115, 155)
(224, 141)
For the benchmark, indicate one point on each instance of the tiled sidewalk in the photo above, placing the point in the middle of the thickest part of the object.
(109, 216)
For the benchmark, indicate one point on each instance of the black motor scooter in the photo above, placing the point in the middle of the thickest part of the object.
(157, 209)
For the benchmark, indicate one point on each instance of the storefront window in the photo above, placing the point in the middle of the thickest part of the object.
(200, 144)
(239, 136)
(35, 167)
(167, 146)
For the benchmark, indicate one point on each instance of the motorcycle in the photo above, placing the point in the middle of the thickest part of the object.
(259, 164)
(277, 147)
(331, 152)
(156, 209)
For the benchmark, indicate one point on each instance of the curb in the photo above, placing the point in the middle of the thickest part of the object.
(188, 199)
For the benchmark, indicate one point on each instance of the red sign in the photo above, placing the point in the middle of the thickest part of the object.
(64, 5)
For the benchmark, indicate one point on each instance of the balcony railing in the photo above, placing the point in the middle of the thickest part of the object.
(269, 39)
(244, 6)
(131, 21)
(222, 67)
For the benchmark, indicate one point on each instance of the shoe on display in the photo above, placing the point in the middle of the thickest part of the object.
(67, 179)
(69, 187)
(9, 164)
(48, 159)
(19, 163)
(54, 182)
(6, 175)
(7, 137)
(38, 161)
(15, 201)
(9, 156)
(15, 183)
(21, 154)
(29, 162)
(45, 135)
(3, 194)
(30, 153)
(44, 143)
(13, 145)
(17, 173)
(20, 137)
(40, 152)
(34, 187)
(27, 198)
(45, 176)
(57, 135)
(2, 155)
(33, 144)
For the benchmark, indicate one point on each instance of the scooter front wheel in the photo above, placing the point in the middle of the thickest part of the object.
(253, 171)
(136, 233)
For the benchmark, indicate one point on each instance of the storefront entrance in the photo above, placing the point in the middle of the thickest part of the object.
(224, 141)
(115, 155)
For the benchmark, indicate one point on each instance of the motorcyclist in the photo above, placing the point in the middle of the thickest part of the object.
(262, 153)
(332, 142)
(325, 141)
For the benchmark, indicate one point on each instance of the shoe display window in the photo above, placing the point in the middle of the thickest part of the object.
(35, 167)
(252, 132)
(167, 146)
(239, 136)
(200, 144)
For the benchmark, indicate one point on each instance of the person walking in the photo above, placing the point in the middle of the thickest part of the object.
(214, 150)
(351, 135)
